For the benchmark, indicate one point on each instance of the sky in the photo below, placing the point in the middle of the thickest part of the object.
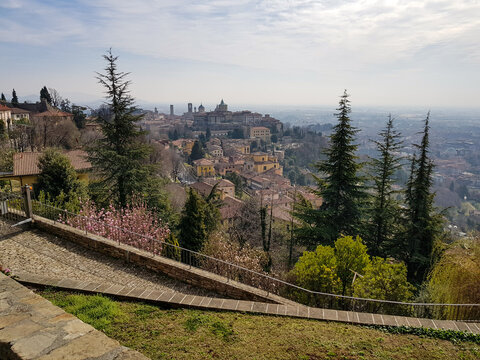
(272, 52)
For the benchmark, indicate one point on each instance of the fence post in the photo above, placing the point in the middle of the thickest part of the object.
(28, 201)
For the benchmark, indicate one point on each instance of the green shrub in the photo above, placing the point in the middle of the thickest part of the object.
(384, 280)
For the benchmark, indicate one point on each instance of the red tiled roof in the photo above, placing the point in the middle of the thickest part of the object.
(4, 108)
(19, 111)
(26, 163)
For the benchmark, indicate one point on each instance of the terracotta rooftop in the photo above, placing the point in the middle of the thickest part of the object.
(221, 183)
(19, 111)
(4, 108)
(203, 162)
(26, 163)
(202, 188)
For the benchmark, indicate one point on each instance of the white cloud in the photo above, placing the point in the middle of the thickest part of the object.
(318, 37)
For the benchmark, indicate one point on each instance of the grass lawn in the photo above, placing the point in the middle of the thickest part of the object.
(161, 333)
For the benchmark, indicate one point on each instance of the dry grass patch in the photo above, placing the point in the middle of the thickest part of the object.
(161, 333)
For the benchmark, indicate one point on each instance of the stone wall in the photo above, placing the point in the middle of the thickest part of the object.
(174, 269)
(33, 328)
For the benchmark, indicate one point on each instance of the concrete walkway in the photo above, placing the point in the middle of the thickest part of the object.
(176, 299)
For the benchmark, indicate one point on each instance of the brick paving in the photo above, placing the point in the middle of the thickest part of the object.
(34, 252)
(175, 299)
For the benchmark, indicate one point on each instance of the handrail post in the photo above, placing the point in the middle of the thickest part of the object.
(28, 201)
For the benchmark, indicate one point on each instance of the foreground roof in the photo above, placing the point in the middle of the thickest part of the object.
(26, 163)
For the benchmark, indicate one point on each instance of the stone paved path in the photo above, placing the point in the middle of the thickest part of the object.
(176, 299)
(33, 328)
(35, 252)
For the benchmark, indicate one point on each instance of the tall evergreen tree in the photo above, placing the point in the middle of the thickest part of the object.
(79, 117)
(192, 226)
(197, 151)
(385, 211)
(341, 189)
(119, 156)
(3, 98)
(423, 225)
(14, 97)
(45, 95)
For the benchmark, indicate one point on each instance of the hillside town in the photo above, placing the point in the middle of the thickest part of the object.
(233, 145)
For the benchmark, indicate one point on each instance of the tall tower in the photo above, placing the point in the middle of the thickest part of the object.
(222, 106)
(171, 111)
(189, 107)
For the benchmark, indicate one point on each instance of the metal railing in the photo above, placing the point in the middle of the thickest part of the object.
(464, 312)
(12, 206)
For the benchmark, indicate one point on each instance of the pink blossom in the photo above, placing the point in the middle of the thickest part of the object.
(135, 225)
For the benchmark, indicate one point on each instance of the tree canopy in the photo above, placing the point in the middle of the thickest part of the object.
(119, 157)
(192, 227)
(14, 97)
(384, 227)
(422, 224)
(339, 185)
(45, 95)
(58, 177)
(197, 151)
(384, 280)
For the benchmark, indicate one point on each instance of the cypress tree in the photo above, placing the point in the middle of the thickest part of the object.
(3, 98)
(45, 95)
(192, 226)
(423, 225)
(341, 189)
(14, 97)
(385, 211)
(197, 151)
(119, 157)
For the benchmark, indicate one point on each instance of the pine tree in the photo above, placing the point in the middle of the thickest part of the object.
(45, 95)
(341, 189)
(423, 225)
(119, 157)
(3, 98)
(192, 227)
(385, 211)
(14, 97)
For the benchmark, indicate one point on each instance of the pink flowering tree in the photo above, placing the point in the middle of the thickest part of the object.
(134, 225)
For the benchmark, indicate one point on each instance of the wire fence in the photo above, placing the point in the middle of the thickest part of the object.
(464, 312)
